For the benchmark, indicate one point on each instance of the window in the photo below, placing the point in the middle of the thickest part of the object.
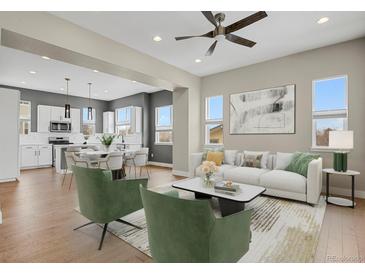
(88, 126)
(329, 108)
(163, 123)
(123, 120)
(24, 117)
(214, 120)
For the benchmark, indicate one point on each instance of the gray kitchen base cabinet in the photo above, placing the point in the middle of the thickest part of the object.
(34, 156)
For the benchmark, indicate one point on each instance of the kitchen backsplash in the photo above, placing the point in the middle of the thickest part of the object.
(77, 138)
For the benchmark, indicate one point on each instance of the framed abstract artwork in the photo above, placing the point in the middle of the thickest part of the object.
(265, 111)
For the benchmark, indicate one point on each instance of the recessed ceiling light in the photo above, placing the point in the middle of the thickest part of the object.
(46, 58)
(323, 20)
(62, 89)
(32, 72)
(157, 38)
(23, 82)
(95, 70)
(106, 91)
(134, 81)
(198, 60)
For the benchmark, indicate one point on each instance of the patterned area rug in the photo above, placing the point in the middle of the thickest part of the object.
(282, 230)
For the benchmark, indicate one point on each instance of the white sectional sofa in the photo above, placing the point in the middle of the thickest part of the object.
(278, 182)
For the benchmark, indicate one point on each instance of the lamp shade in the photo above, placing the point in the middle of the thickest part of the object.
(341, 139)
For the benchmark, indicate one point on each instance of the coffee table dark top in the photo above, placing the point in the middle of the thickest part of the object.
(247, 192)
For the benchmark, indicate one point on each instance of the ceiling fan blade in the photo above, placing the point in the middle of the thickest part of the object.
(246, 21)
(211, 49)
(239, 40)
(208, 34)
(209, 15)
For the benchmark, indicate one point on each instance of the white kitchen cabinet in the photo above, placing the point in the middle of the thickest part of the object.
(136, 120)
(33, 156)
(29, 156)
(75, 120)
(108, 122)
(45, 155)
(43, 118)
(58, 114)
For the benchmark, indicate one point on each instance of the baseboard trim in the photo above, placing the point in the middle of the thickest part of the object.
(180, 173)
(344, 192)
(159, 164)
(8, 180)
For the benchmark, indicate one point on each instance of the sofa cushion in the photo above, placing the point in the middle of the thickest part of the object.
(221, 170)
(230, 157)
(283, 160)
(245, 175)
(284, 180)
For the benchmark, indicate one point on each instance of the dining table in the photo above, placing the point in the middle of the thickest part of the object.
(94, 156)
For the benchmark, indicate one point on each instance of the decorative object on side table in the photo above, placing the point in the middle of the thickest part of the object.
(208, 169)
(338, 200)
(342, 141)
(107, 140)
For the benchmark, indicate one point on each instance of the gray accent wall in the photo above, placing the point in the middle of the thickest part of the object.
(37, 97)
(300, 69)
(158, 153)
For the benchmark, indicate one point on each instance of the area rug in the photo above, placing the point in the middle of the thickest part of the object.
(282, 230)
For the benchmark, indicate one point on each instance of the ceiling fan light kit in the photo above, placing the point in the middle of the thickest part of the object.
(221, 33)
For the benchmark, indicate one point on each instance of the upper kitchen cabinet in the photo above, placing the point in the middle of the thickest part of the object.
(43, 118)
(46, 114)
(75, 120)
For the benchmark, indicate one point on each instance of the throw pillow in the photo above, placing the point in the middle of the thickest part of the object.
(230, 157)
(238, 160)
(251, 160)
(216, 157)
(300, 161)
(264, 158)
(283, 160)
(206, 150)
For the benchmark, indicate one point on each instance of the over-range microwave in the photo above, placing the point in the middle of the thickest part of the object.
(60, 126)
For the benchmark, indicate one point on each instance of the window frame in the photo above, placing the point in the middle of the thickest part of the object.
(208, 121)
(122, 123)
(89, 122)
(328, 114)
(29, 120)
(159, 128)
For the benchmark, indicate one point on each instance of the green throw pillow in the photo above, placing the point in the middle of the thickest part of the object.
(300, 161)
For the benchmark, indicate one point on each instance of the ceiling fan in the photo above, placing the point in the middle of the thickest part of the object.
(220, 32)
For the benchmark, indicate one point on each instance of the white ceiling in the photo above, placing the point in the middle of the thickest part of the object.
(15, 66)
(280, 34)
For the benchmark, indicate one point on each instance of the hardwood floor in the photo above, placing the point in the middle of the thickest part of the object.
(39, 215)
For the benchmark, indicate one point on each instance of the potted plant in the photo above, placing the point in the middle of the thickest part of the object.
(208, 168)
(107, 140)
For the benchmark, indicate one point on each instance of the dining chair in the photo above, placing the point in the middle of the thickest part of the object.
(129, 161)
(114, 162)
(73, 160)
(141, 160)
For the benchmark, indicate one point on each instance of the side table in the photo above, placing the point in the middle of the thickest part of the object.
(338, 200)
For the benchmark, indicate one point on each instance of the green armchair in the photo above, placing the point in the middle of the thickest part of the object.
(103, 200)
(182, 230)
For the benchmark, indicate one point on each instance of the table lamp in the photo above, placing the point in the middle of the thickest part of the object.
(341, 141)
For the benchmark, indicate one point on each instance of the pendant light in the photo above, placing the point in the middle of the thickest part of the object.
(67, 105)
(89, 108)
